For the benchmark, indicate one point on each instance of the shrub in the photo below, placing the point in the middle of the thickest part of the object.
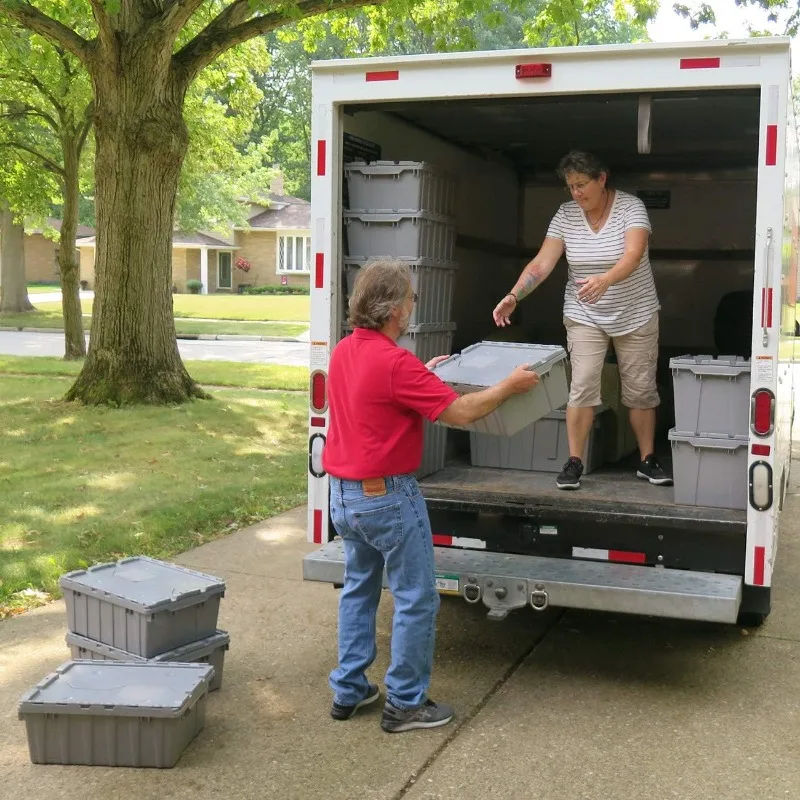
(279, 289)
(194, 286)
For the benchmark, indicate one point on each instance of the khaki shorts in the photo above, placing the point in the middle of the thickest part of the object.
(637, 354)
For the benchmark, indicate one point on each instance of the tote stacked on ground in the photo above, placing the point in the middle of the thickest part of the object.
(711, 434)
(406, 210)
(146, 651)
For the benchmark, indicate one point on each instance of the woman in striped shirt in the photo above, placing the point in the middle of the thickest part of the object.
(610, 294)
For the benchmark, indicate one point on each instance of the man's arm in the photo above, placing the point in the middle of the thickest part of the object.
(475, 405)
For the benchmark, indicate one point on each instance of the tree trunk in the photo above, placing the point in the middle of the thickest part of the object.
(68, 260)
(141, 141)
(13, 286)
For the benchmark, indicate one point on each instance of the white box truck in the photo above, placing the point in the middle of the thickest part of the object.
(705, 133)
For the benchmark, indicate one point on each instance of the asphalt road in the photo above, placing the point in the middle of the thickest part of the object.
(22, 343)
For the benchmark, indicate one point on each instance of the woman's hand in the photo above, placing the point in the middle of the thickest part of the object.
(436, 361)
(503, 311)
(592, 289)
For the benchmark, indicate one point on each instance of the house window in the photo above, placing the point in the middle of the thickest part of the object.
(224, 270)
(294, 254)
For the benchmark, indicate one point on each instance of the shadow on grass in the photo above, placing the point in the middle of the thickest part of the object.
(80, 485)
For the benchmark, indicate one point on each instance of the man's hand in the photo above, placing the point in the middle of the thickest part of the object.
(436, 361)
(522, 379)
(592, 289)
(502, 313)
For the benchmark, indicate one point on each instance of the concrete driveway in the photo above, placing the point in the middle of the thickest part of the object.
(558, 706)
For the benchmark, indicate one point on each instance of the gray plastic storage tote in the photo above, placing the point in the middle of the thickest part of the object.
(433, 281)
(709, 469)
(407, 236)
(116, 714)
(541, 447)
(487, 363)
(399, 186)
(712, 395)
(205, 651)
(424, 341)
(141, 605)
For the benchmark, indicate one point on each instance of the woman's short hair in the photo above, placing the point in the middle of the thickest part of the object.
(381, 286)
(582, 163)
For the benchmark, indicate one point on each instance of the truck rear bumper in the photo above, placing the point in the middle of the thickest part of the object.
(504, 582)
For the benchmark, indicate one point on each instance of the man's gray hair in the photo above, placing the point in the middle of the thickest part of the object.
(381, 286)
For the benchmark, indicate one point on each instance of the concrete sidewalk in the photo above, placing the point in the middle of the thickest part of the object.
(560, 706)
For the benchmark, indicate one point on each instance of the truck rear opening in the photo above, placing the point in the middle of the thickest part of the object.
(698, 151)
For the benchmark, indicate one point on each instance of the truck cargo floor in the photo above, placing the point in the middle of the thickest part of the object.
(611, 490)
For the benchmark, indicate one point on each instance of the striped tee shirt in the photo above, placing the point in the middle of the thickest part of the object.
(626, 305)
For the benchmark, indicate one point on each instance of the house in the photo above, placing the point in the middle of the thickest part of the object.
(274, 247)
(41, 253)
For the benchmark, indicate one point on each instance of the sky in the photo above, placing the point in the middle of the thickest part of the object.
(732, 20)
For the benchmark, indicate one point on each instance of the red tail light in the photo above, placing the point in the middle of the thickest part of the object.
(319, 399)
(762, 412)
(534, 70)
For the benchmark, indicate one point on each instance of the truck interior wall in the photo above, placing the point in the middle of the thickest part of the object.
(487, 213)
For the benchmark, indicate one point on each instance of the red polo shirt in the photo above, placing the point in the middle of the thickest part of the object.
(378, 394)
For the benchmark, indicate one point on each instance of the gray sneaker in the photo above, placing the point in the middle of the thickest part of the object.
(428, 715)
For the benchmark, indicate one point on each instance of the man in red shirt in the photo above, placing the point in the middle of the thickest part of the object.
(378, 394)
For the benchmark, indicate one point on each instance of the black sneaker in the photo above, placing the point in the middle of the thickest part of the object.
(570, 476)
(345, 712)
(651, 470)
(428, 715)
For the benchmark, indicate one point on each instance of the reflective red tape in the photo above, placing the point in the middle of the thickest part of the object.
(319, 272)
(772, 145)
(627, 557)
(388, 75)
(322, 152)
(317, 526)
(438, 538)
(766, 308)
(758, 566)
(700, 63)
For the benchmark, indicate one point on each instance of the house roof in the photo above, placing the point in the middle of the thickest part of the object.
(181, 237)
(284, 213)
(83, 230)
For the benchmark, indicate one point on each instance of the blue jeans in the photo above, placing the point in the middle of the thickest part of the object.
(391, 531)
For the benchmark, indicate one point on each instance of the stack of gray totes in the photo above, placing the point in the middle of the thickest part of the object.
(406, 210)
(146, 651)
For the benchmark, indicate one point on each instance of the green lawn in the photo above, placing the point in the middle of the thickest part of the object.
(85, 485)
(275, 308)
(42, 288)
(209, 373)
(48, 315)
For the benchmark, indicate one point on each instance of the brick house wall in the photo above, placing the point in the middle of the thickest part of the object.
(40, 259)
(260, 248)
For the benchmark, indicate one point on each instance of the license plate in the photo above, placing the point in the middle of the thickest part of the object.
(447, 584)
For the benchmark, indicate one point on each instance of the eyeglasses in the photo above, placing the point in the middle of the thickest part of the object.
(414, 297)
(577, 187)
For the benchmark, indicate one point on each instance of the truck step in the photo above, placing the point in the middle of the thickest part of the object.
(504, 582)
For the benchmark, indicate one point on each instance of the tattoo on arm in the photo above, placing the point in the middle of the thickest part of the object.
(527, 282)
